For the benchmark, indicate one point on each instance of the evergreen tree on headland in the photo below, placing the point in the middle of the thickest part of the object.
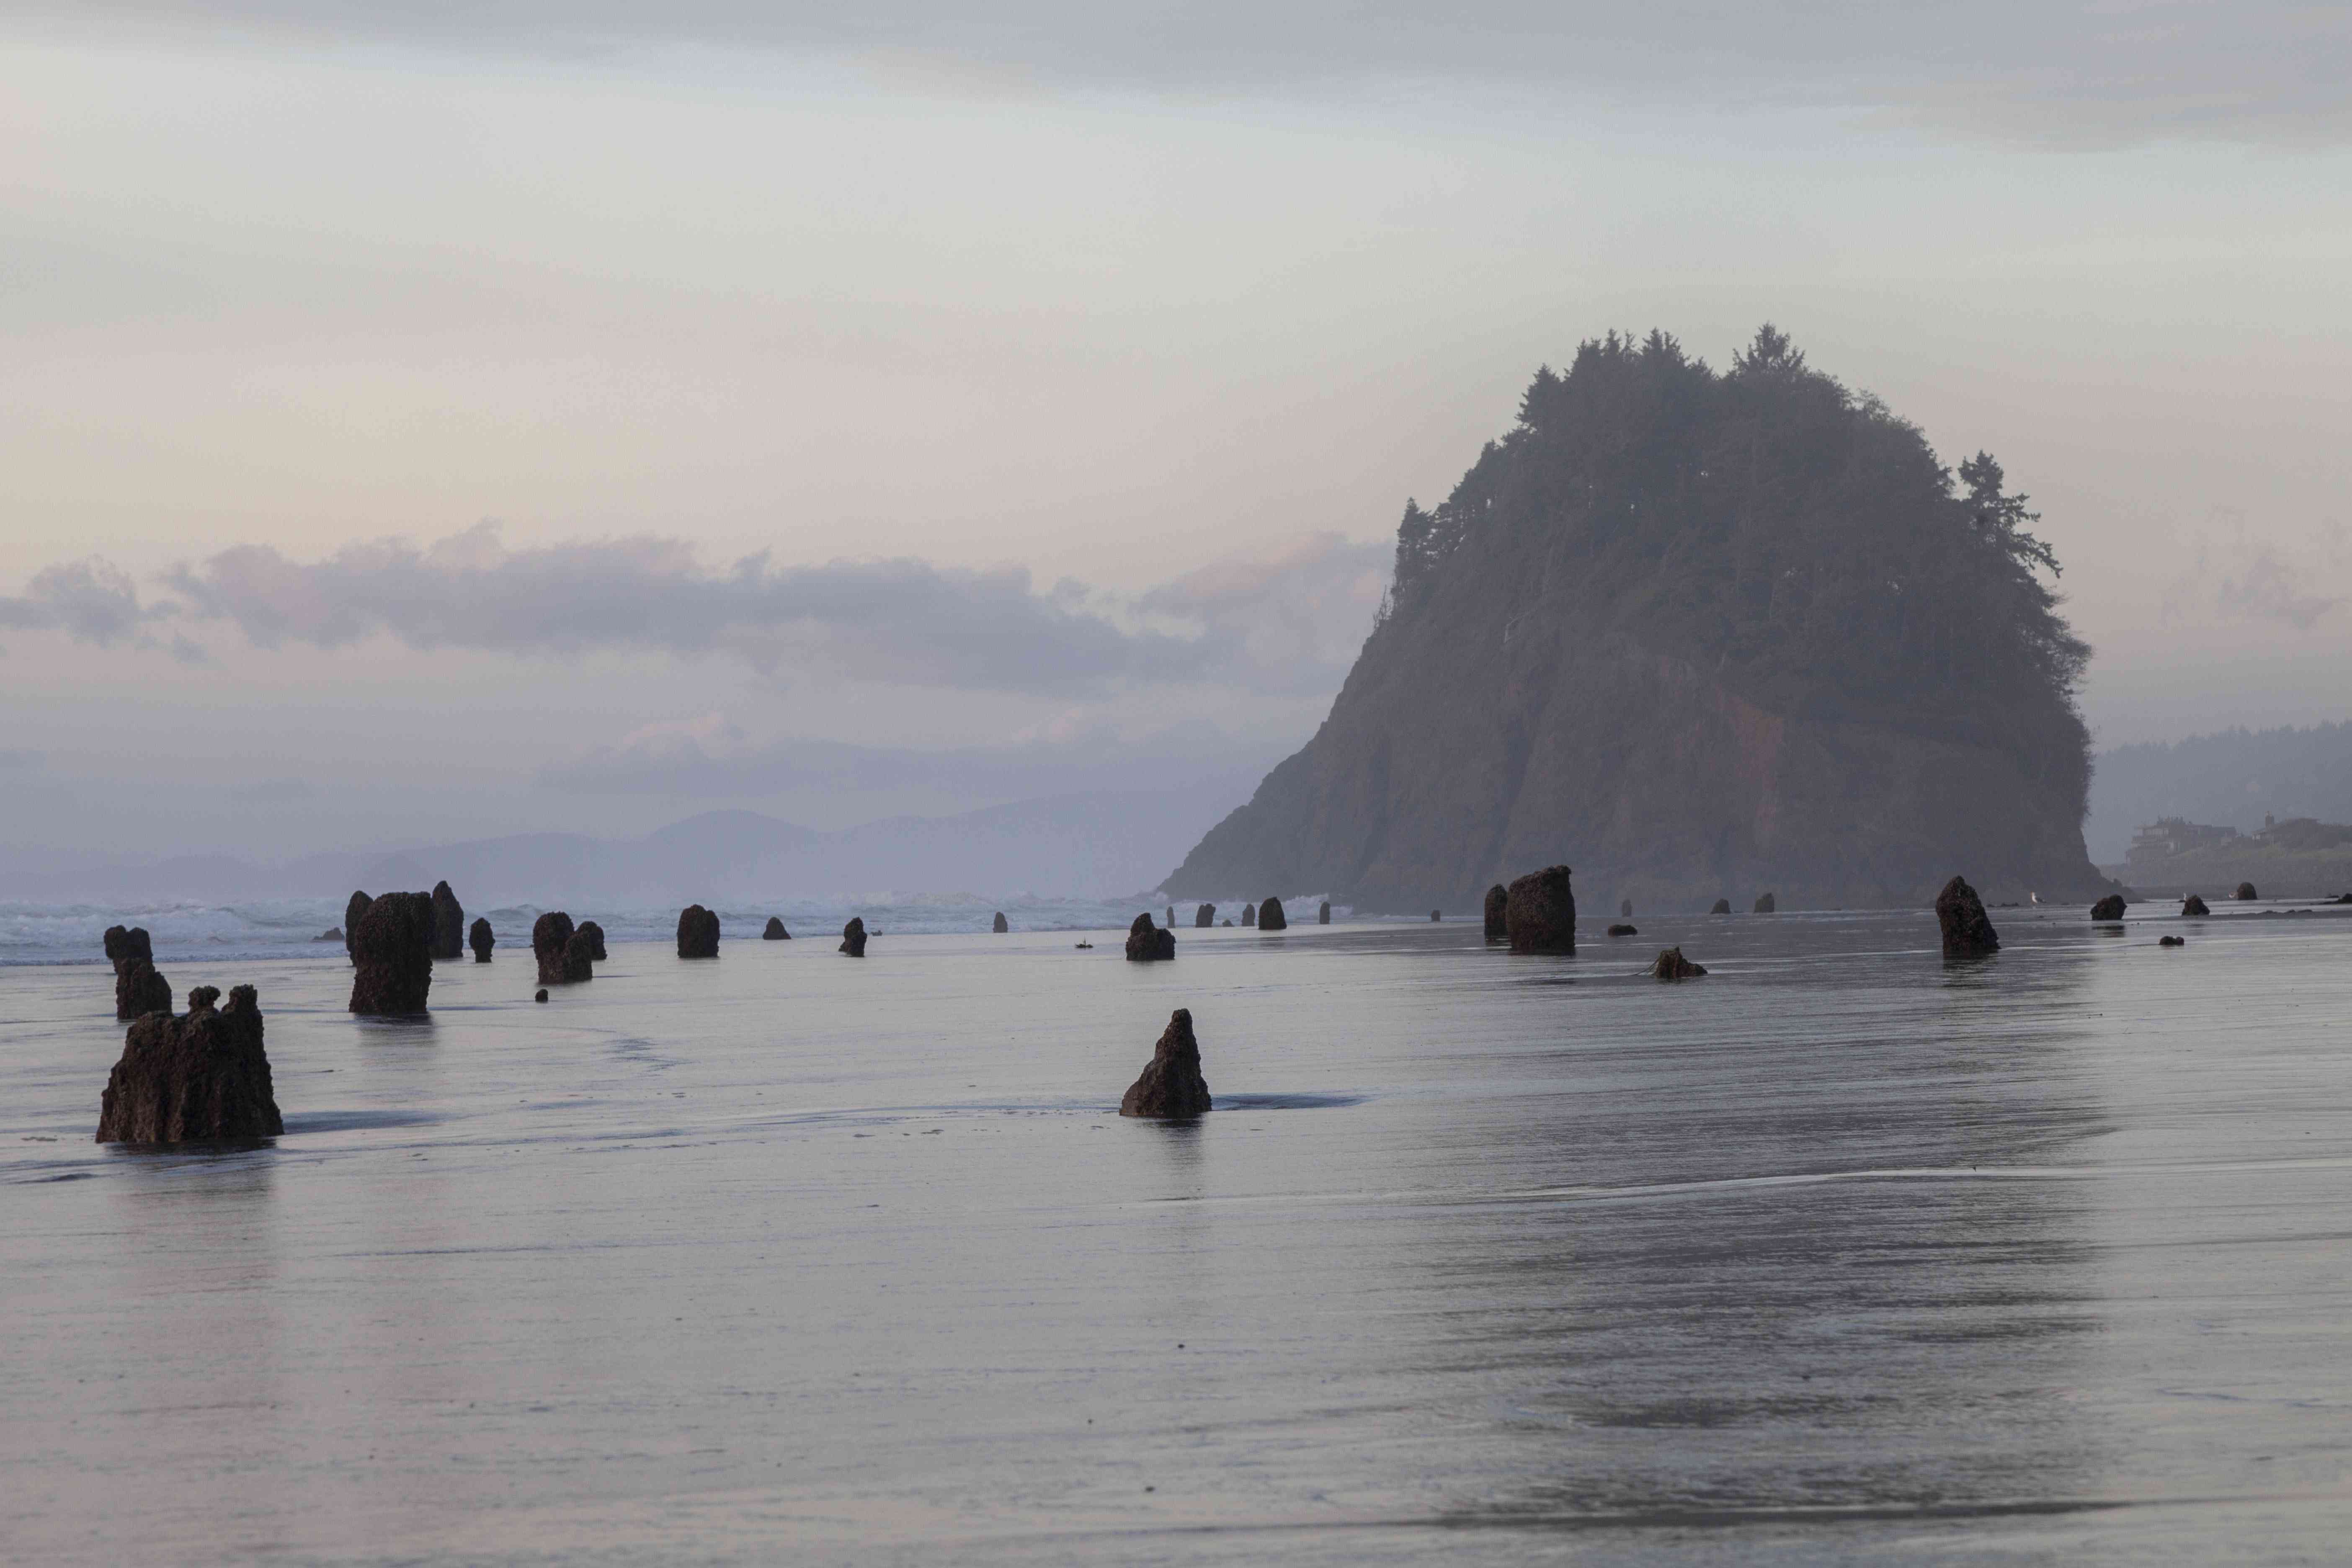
(1794, 545)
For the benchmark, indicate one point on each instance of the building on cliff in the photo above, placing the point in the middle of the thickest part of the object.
(2297, 858)
(1687, 630)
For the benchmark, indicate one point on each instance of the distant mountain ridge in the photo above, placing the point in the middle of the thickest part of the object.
(1697, 635)
(1099, 844)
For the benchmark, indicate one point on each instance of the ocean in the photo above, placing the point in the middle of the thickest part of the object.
(1839, 1254)
(193, 930)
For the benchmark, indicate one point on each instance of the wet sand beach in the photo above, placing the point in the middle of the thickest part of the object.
(1838, 1253)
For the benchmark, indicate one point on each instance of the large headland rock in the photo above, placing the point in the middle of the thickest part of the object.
(355, 908)
(392, 954)
(1145, 942)
(200, 1077)
(1691, 629)
(698, 932)
(1539, 912)
(1270, 916)
(565, 957)
(448, 923)
(482, 939)
(1171, 1084)
(853, 937)
(1967, 931)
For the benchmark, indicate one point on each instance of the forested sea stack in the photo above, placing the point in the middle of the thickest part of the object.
(1690, 630)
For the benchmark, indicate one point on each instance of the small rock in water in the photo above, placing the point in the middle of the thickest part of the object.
(1171, 917)
(482, 940)
(1435, 916)
(2110, 907)
(199, 1078)
(354, 908)
(1205, 916)
(391, 952)
(1540, 911)
(1145, 942)
(122, 944)
(1673, 965)
(1967, 932)
(2246, 891)
(852, 938)
(448, 923)
(1498, 925)
(1000, 927)
(1171, 1085)
(698, 932)
(541, 995)
(139, 990)
(1249, 914)
(1323, 915)
(332, 933)
(1087, 945)
(2171, 942)
(1270, 916)
(775, 932)
(1722, 907)
(563, 959)
(1621, 929)
(2193, 905)
(1766, 904)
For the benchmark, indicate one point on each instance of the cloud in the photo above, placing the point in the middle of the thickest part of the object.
(1291, 622)
(709, 757)
(90, 601)
(2053, 72)
(1287, 625)
(2266, 588)
(900, 622)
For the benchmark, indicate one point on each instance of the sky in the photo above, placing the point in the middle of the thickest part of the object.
(424, 422)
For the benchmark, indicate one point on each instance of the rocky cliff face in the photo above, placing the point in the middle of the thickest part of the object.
(1693, 634)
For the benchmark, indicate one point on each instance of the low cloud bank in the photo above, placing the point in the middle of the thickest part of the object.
(1288, 624)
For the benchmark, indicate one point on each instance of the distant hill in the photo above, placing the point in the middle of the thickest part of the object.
(2234, 779)
(1101, 844)
(1697, 635)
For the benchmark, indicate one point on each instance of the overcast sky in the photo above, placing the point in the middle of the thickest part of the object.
(459, 419)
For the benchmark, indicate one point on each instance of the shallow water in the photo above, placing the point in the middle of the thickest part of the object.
(1837, 1254)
